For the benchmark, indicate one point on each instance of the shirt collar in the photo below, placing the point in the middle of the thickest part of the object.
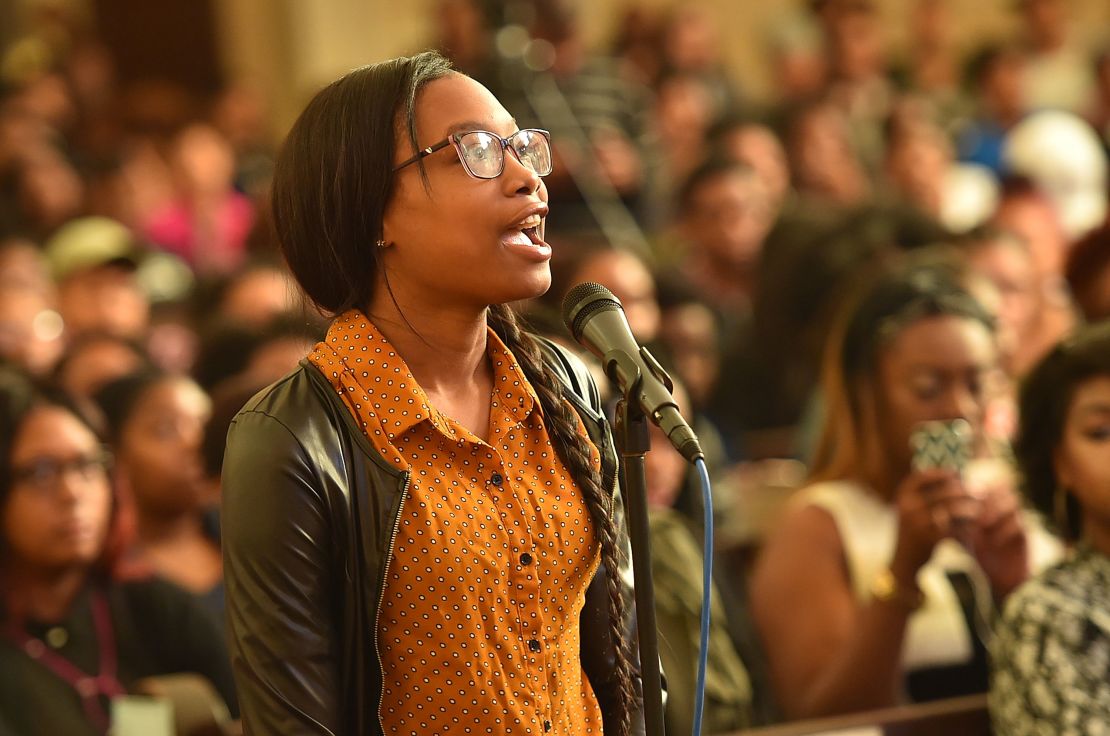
(399, 401)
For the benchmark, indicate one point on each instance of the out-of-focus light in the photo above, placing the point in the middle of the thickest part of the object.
(539, 56)
(512, 41)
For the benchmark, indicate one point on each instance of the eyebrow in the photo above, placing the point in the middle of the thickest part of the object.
(1094, 407)
(466, 126)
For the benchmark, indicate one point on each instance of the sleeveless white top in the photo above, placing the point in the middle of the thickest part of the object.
(937, 632)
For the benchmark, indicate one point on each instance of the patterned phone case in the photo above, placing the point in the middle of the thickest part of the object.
(941, 444)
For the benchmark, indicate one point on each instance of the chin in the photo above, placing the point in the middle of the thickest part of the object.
(524, 289)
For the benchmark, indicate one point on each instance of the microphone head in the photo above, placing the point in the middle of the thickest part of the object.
(584, 300)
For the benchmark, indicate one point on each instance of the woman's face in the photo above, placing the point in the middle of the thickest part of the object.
(934, 369)
(1083, 458)
(58, 510)
(458, 242)
(159, 448)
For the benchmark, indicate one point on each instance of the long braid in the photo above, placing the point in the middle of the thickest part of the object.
(563, 426)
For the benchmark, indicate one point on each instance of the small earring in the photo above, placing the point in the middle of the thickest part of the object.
(382, 244)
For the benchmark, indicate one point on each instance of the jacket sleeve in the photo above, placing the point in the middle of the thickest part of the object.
(279, 580)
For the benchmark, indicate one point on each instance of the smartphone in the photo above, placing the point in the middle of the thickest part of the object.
(947, 445)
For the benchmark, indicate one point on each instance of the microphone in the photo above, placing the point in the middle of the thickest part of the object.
(596, 320)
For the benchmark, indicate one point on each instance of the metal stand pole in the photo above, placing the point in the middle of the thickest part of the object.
(634, 441)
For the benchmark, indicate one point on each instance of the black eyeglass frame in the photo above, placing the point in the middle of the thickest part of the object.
(455, 138)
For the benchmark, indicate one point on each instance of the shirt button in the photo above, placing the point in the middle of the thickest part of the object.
(534, 644)
(496, 479)
(546, 726)
(526, 559)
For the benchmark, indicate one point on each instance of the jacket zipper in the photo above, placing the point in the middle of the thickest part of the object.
(381, 595)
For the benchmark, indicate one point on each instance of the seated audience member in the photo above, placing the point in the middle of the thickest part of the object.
(723, 217)
(93, 260)
(96, 359)
(1088, 274)
(155, 425)
(76, 632)
(264, 354)
(1050, 672)
(676, 570)
(1030, 214)
(1003, 258)
(755, 144)
(208, 221)
(257, 294)
(862, 595)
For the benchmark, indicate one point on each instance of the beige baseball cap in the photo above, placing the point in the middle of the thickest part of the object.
(89, 242)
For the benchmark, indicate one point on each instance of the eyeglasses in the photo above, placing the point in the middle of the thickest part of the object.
(483, 153)
(45, 475)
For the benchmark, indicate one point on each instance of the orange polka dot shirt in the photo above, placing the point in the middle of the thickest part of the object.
(478, 627)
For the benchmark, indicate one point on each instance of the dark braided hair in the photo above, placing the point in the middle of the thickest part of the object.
(332, 183)
(562, 424)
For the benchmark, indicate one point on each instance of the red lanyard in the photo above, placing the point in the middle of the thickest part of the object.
(89, 687)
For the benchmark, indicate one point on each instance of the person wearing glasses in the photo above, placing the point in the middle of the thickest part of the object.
(76, 630)
(422, 532)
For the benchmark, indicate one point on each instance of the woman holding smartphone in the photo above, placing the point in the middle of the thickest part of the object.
(421, 524)
(861, 595)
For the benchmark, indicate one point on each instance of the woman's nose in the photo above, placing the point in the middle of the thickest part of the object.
(519, 178)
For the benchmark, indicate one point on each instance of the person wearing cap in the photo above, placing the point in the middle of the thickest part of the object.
(93, 260)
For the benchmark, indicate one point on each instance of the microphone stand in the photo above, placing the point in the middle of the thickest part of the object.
(634, 440)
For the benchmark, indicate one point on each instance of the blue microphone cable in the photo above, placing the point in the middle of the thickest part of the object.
(706, 587)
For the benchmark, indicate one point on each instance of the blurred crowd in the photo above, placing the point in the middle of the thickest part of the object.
(890, 240)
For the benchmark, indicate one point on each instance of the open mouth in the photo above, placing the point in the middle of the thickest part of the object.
(528, 231)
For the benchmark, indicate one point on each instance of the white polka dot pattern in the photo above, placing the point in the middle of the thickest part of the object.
(478, 630)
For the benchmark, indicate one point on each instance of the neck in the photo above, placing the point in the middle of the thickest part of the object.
(156, 529)
(46, 595)
(1097, 535)
(881, 479)
(444, 348)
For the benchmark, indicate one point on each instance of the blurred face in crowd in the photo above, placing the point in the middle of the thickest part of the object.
(1033, 218)
(630, 281)
(690, 42)
(22, 266)
(1082, 460)
(857, 44)
(104, 299)
(664, 465)
(684, 108)
(758, 147)
(97, 363)
(690, 333)
(1001, 89)
(727, 218)
(203, 162)
(31, 331)
(1046, 21)
(276, 358)
(51, 191)
(159, 447)
(58, 508)
(257, 296)
(936, 368)
(825, 163)
(1006, 264)
(917, 158)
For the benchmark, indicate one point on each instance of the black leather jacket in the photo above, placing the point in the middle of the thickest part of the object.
(310, 512)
